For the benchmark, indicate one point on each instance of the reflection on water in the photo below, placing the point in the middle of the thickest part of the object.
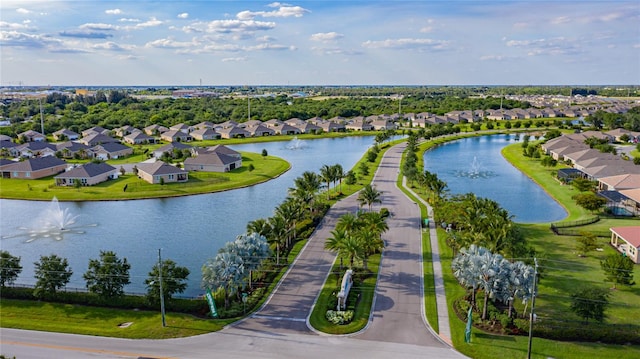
(189, 229)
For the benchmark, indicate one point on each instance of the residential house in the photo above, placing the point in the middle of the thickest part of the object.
(95, 129)
(212, 162)
(619, 132)
(219, 149)
(170, 148)
(9, 149)
(233, 132)
(107, 151)
(65, 134)
(160, 172)
(251, 123)
(32, 136)
(138, 138)
(73, 149)
(330, 126)
(204, 124)
(383, 124)
(272, 123)
(175, 136)
(627, 241)
(155, 130)
(88, 174)
(182, 128)
(206, 133)
(95, 139)
(34, 168)
(36, 149)
(286, 129)
(125, 130)
(260, 130)
(619, 182)
(359, 125)
(308, 127)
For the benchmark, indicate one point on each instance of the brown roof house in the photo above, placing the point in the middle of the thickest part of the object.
(65, 134)
(212, 162)
(627, 241)
(160, 172)
(32, 136)
(107, 151)
(88, 174)
(205, 133)
(34, 168)
(138, 138)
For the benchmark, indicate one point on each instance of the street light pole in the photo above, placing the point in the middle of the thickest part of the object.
(533, 304)
(164, 323)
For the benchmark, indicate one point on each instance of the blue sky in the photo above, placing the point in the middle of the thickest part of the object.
(316, 42)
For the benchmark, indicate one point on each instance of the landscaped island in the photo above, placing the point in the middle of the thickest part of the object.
(255, 169)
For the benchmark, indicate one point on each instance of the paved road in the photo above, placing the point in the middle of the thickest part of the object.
(279, 330)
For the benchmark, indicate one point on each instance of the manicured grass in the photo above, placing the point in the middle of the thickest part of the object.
(199, 182)
(545, 178)
(563, 272)
(77, 319)
(366, 289)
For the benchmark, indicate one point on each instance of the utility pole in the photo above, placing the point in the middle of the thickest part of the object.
(41, 117)
(533, 304)
(164, 323)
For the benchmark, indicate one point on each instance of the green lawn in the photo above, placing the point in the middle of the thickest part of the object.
(77, 319)
(199, 182)
(563, 272)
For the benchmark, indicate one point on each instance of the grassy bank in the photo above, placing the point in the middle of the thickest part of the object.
(199, 182)
(564, 271)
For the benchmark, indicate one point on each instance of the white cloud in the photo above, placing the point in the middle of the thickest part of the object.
(113, 12)
(234, 59)
(406, 43)
(229, 26)
(97, 26)
(110, 46)
(149, 23)
(282, 11)
(184, 15)
(23, 11)
(326, 36)
(560, 20)
(20, 39)
(169, 43)
(124, 19)
(553, 46)
(16, 26)
(269, 46)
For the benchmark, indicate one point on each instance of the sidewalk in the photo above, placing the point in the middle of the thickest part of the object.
(441, 299)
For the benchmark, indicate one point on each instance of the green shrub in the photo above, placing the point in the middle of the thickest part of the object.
(339, 317)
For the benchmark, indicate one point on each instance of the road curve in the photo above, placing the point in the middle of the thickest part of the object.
(279, 329)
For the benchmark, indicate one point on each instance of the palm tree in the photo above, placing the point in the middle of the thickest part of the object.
(278, 234)
(348, 222)
(290, 211)
(370, 243)
(260, 226)
(308, 181)
(226, 271)
(327, 176)
(335, 243)
(338, 175)
(352, 248)
(253, 249)
(369, 195)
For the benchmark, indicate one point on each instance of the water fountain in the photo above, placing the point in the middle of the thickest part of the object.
(475, 171)
(54, 223)
(296, 144)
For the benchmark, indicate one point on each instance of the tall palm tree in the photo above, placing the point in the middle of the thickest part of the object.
(369, 195)
(308, 181)
(370, 243)
(278, 234)
(335, 243)
(347, 222)
(260, 226)
(338, 175)
(352, 248)
(327, 176)
(290, 211)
